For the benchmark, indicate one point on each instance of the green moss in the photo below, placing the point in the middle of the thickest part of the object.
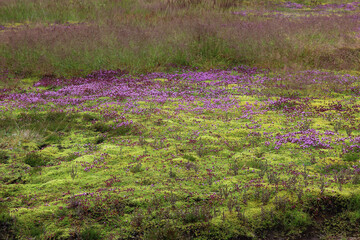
(14, 173)
(183, 177)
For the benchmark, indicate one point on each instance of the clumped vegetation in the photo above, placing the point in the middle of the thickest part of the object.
(68, 38)
(181, 139)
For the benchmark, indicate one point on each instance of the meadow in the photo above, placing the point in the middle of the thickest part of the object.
(156, 119)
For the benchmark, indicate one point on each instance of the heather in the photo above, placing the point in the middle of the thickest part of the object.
(145, 120)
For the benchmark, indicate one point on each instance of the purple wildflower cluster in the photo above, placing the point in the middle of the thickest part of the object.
(293, 5)
(120, 97)
(346, 6)
(304, 139)
(330, 6)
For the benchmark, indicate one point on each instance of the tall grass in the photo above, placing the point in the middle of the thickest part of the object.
(61, 10)
(159, 35)
(84, 10)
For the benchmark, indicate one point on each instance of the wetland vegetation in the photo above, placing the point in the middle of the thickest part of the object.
(156, 119)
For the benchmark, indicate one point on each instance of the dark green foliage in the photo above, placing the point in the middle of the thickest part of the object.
(7, 123)
(295, 221)
(354, 203)
(51, 121)
(137, 219)
(190, 165)
(74, 203)
(87, 117)
(257, 163)
(351, 156)
(36, 229)
(268, 221)
(100, 139)
(235, 166)
(189, 157)
(113, 130)
(73, 172)
(49, 126)
(281, 224)
(35, 170)
(61, 212)
(136, 168)
(340, 224)
(7, 224)
(121, 131)
(101, 127)
(71, 157)
(326, 205)
(13, 174)
(193, 214)
(68, 158)
(336, 167)
(356, 179)
(283, 103)
(162, 232)
(90, 234)
(4, 157)
(146, 181)
(52, 138)
(281, 203)
(55, 116)
(172, 174)
(34, 159)
(59, 121)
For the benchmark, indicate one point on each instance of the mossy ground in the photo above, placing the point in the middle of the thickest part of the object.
(194, 153)
(190, 166)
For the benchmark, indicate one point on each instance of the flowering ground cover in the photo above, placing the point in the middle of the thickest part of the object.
(225, 119)
(221, 154)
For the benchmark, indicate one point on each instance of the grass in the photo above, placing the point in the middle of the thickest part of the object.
(77, 37)
(139, 120)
